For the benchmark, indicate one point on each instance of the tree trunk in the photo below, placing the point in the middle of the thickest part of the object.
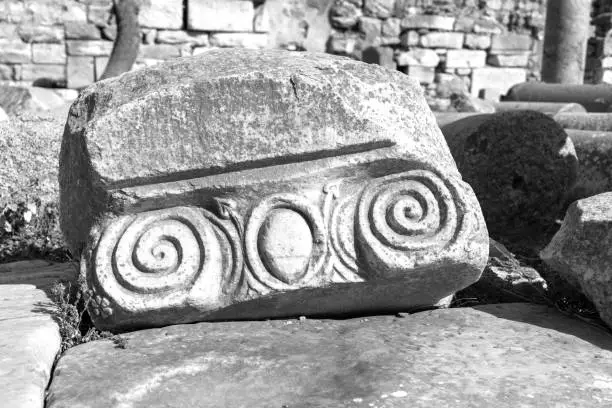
(125, 49)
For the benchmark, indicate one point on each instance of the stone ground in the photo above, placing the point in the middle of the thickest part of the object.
(504, 355)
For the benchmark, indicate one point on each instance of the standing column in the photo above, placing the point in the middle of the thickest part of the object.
(565, 41)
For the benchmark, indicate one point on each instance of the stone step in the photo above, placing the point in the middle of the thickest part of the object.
(29, 336)
(505, 355)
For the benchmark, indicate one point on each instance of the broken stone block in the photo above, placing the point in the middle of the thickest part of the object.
(595, 98)
(521, 164)
(509, 60)
(250, 184)
(580, 251)
(345, 13)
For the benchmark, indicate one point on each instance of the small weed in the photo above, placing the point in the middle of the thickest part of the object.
(71, 314)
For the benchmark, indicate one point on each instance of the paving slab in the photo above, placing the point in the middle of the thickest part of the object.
(507, 355)
(29, 337)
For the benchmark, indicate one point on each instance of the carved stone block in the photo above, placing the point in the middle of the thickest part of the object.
(251, 184)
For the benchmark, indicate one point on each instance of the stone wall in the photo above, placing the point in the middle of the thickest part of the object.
(491, 45)
(488, 44)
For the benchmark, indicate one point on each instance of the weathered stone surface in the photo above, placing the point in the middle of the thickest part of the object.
(595, 98)
(80, 71)
(29, 337)
(167, 14)
(497, 355)
(465, 58)
(520, 164)
(509, 60)
(86, 47)
(49, 73)
(382, 9)
(506, 280)
(550, 108)
(49, 54)
(370, 29)
(345, 13)
(15, 51)
(594, 151)
(220, 15)
(510, 43)
(239, 40)
(430, 21)
(418, 56)
(580, 250)
(500, 79)
(585, 121)
(350, 147)
(420, 73)
(81, 30)
(41, 34)
(477, 41)
(464, 102)
(409, 39)
(23, 99)
(442, 40)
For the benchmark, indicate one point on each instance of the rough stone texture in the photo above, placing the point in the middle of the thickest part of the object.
(565, 41)
(49, 54)
(465, 58)
(166, 14)
(581, 250)
(509, 43)
(432, 22)
(594, 151)
(520, 164)
(29, 337)
(89, 48)
(340, 142)
(500, 79)
(550, 108)
(585, 121)
(442, 40)
(41, 34)
(595, 98)
(80, 71)
(418, 56)
(497, 355)
(477, 41)
(220, 15)
(30, 147)
(12, 51)
(22, 99)
(240, 40)
(81, 30)
(464, 102)
(345, 13)
(509, 60)
(506, 280)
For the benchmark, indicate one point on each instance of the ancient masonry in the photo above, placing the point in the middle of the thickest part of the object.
(490, 44)
(306, 197)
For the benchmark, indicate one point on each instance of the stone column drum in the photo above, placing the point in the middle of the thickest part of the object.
(245, 184)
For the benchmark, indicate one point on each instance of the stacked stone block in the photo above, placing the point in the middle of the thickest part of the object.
(490, 45)
(67, 43)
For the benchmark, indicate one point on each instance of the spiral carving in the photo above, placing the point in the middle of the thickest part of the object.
(408, 220)
(157, 259)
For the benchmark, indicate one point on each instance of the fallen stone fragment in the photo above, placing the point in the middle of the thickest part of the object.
(521, 164)
(581, 251)
(585, 121)
(594, 151)
(505, 356)
(29, 335)
(506, 280)
(550, 108)
(595, 98)
(251, 184)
